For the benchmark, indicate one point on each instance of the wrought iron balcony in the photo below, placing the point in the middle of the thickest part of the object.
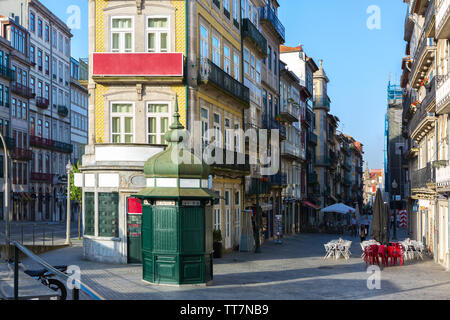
(210, 73)
(50, 144)
(41, 177)
(233, 161)
(63, 111)
(279, 179)
(323, 161)
(290, 151)
(289, 111)
(42, 102)
(271, 124)
(268, 15)
(22, 90)
(312, 138)
(7, 73)
(423, 58)
(321, 102)
(422, 177)
(249, 31)
(21, 154)
(257, 185)
(422, 121)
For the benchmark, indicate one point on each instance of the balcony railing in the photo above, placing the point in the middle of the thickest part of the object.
(443, 94)
(279, 179)
(41, 177)
(321, 102)
(422, 59)
(257, 185)
(7, 73)
(209, 72)
(22, 90)
(63, 111)
(238, 161)
(267, 14)
(42, 102)
(323, 161)
(289, 150)
(272, 124)
(312, 138)
(422, 177)
(44, 143)
(443, 19)
(21, 154)
(249, 31)
(421, 119)
(443, 174)
(289, 111)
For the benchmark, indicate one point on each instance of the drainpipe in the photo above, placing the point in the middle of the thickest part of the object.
(436, 202)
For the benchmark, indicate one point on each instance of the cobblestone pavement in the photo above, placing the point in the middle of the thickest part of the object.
(293, 270)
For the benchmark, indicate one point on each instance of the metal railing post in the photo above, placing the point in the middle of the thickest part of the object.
(16, 273)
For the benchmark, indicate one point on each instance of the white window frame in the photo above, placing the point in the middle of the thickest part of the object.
(158, 32)
(236, 66)
(204, 41)
(122, 32)
(158, 116)
(205, 127)
(228, 137)
(218, 134)
(122, 116)
(218, 214)
(216, 51)
(227, 59)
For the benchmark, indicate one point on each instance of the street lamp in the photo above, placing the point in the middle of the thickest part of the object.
(394, 187)
(68, 214)
(8, 219)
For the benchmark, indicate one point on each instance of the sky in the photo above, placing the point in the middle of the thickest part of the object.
(357, 59)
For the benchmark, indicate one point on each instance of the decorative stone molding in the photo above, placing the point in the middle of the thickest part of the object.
(139, 4)
(139, 91)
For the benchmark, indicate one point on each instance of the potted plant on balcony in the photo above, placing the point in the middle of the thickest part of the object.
(217, 244)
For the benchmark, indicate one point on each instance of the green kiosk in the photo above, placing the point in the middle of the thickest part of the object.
(177, 232)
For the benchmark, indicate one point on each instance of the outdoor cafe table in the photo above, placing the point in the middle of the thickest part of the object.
(337, 248)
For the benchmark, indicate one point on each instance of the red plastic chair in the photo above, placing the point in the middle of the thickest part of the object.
(372, 253)
(382, 253)
(394, 253)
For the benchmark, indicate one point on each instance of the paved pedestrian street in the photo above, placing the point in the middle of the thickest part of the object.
(293, 270)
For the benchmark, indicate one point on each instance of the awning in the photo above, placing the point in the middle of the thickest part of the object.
(311, 205)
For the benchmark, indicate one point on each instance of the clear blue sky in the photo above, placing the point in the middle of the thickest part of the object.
(357, 60)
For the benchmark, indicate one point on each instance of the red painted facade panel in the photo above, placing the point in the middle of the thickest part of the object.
(138, 64)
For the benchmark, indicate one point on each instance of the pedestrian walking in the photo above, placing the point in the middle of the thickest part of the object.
(362, 232)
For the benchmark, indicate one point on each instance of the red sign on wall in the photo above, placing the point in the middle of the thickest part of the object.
(134, 206)
(138, 64)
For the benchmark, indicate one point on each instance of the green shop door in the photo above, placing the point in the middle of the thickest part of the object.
(134, 230)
